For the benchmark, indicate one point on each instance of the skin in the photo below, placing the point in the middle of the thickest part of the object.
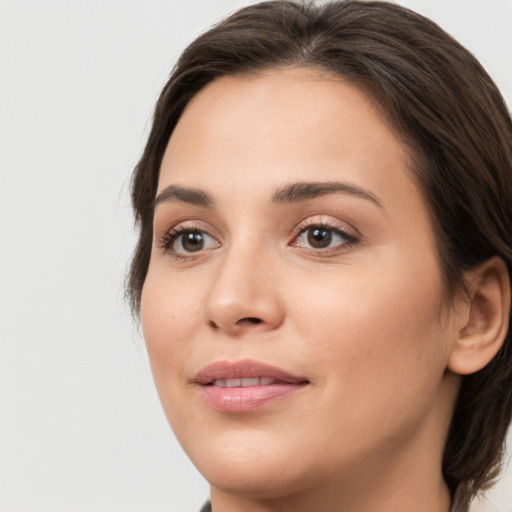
(366, 322)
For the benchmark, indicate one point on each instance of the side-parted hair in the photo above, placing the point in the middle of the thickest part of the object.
(447, 111)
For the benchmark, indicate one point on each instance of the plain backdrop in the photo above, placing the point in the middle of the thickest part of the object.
(81, 428)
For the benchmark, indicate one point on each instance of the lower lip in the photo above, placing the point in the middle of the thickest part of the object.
(239, 400)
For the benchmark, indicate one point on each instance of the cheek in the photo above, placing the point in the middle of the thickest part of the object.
(170, 316)
(376, 331)
(169, 313)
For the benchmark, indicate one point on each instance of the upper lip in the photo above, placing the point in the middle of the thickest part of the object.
(244, 369)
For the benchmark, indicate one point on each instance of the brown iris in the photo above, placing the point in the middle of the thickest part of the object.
(192, 241)
(319, 238)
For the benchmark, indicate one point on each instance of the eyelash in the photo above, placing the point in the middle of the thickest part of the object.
(350, 240)
(170, 237)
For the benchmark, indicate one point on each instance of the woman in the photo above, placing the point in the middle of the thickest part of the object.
(322, 272)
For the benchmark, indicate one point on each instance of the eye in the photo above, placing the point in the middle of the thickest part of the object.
(323, 237)
(184, 241)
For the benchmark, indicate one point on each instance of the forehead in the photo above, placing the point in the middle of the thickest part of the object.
(281, 126)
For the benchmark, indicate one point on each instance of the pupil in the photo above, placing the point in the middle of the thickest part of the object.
(319, 237)
(193, 241)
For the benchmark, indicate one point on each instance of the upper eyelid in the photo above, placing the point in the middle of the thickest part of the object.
(187, 224)
(169, 237)
(350, 239)
(177, 229)
(328, 223)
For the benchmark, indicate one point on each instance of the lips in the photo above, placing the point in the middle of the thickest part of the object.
(244, 386)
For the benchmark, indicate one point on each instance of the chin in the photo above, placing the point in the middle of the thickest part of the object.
(264, 481)
(250, 464)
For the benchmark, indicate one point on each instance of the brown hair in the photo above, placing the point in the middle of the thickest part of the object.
(446, 109)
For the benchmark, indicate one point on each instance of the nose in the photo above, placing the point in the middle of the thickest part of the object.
(244, 295)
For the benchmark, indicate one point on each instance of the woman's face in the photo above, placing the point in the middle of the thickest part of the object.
(293, 309)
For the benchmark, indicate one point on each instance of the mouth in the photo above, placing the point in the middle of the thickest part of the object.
(245, 382)
(245, 386)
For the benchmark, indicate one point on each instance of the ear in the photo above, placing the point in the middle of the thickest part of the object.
(483, 318)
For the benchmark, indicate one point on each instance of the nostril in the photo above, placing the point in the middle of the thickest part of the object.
(250, 320)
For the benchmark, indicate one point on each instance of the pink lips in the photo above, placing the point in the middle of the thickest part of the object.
(245, 386)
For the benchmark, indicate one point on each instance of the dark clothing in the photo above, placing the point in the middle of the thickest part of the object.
(207, 507)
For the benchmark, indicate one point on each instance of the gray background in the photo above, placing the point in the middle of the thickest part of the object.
(80, 425)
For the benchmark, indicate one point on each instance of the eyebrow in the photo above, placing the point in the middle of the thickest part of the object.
(185, 195)
(304, 191)
(296, 192)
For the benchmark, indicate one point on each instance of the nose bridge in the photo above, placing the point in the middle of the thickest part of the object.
(243, 293)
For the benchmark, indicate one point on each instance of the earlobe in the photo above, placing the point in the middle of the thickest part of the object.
(486, 318)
